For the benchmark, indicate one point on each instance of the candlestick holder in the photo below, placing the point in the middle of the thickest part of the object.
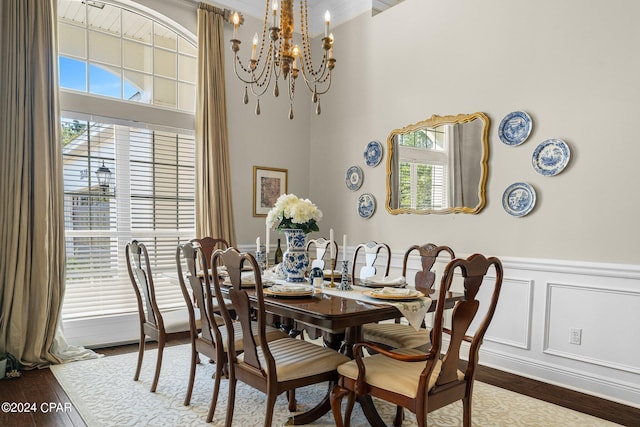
(344, 283)
(332, 284)
(261, 258)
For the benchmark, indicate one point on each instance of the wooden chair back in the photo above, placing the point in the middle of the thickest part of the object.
(141, 276)
(210, 244)
(190, 258)
(371, 251)
(234, 262)
(322, 247)
(425, 277)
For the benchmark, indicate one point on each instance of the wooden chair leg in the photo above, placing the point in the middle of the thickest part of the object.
(466, 411)
(156, 377)
(351, 400)
(337, 394)
(397, 421)
(231, 400)
(216, 390)
(291, 396)
(271, 403)
(192, 374)
(140, 356)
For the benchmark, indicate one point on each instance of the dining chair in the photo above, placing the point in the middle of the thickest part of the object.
(423, 382)
(399, 335)
(159, 325)
(209, 245)
(273, 367)
(371, 251)
(212, 339)
(322, 247)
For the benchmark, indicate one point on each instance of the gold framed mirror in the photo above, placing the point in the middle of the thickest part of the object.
(438, 165)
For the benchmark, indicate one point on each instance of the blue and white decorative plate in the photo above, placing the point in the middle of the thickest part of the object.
(519, 199)
(373, 153)
(551, 157)
(354, 178)
(515, 128)
(366, 205)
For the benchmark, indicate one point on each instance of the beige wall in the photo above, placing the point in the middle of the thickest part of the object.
(270, 140)
(571, 65)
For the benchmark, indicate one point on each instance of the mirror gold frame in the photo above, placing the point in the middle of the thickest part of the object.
(481, 166)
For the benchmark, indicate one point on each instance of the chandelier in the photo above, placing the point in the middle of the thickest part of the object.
(280, 56)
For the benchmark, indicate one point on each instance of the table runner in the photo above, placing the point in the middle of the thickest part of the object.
(413, 310)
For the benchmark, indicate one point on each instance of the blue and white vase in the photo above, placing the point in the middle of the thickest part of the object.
(295, 259)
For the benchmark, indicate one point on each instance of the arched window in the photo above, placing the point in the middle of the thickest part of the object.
(119, 53)
(128, 98)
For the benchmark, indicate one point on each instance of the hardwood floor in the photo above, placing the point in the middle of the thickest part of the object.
(40, 389)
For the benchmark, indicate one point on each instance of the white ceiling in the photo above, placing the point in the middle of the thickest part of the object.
(341, 10)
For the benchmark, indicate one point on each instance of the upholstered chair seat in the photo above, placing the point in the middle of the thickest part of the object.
(298, 359)
(396, 335)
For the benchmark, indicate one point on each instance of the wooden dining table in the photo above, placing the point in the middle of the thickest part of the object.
(340, 319)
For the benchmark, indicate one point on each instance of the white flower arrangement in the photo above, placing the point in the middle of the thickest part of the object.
(293, 212)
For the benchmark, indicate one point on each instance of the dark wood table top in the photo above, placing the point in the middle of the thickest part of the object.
(333, 313)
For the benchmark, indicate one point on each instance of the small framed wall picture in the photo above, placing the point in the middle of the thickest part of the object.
(268, 185)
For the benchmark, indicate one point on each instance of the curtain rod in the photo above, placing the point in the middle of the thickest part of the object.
(226, 13)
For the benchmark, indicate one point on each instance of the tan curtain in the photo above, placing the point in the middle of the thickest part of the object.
(31, 193)
(214, 213)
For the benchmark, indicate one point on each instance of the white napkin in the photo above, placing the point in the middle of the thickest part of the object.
(246, 278)
(396, 291)
(388, 280)
(290, 288)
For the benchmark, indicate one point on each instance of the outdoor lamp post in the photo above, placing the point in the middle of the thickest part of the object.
(104, 177)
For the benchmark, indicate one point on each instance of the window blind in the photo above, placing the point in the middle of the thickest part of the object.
(150, 197)
(423, 185)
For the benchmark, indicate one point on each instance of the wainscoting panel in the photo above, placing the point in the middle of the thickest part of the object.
(511, 324)
(606, 321)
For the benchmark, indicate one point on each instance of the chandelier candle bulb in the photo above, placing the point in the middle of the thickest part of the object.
(253, 48)
(258, 244)
(296, 51)
(236, 21)
(274, 6)
(327, 19)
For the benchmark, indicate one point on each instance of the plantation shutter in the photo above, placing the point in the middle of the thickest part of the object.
(150, 198)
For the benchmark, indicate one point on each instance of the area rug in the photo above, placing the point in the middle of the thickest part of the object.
(104, 393)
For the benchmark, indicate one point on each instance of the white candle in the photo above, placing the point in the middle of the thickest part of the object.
(267, 238)
(333, 249)
(344, 247)
(236, 21)
(274, 6)
(296, 50)
(258, 244)
(255, 45)
(327, 19)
